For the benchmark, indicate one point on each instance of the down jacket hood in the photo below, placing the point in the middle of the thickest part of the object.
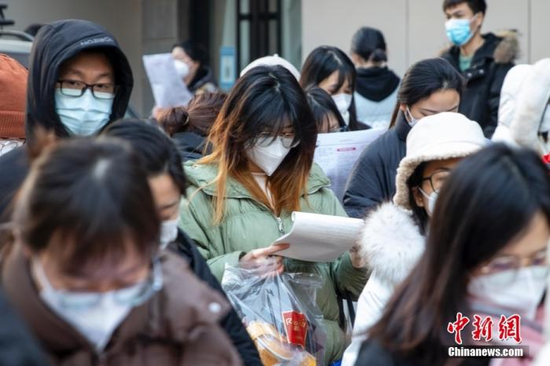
(391, 243)
(524, 101)
(56, 43)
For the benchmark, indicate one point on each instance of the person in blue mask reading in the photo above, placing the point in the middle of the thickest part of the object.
(483, 60)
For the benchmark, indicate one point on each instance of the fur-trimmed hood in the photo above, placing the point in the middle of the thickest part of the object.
(391, 243)
(508, 48)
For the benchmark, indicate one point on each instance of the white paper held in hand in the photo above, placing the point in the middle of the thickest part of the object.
(337, 153)
(320, 238)
(168, 88)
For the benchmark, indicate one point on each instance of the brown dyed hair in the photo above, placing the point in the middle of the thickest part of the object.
(89, 203)
(265, 100)
(198, 117)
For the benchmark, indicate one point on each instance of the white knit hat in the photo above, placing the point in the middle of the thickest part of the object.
(438, 137)
(272, 61)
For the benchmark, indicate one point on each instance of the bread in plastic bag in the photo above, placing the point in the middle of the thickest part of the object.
(280, 314)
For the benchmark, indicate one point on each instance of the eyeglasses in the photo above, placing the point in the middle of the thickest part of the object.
(437, 179)
(339, 129)
(512, 262)
(287, 139)
(76, 89)
(132, 296)
(8, 145)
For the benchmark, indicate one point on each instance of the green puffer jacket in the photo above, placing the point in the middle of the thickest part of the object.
(248, 225)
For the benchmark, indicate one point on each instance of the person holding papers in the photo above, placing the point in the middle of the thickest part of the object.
(241, 197)
(394, 234)
(429, 87)
(190, 60)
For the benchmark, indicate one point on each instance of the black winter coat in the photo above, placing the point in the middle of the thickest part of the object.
(372, 179)
(54, 44)
(232, 324)
(484, 79)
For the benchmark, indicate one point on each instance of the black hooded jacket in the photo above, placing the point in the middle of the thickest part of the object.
(490, 64)
(376, 83)
(54, 44)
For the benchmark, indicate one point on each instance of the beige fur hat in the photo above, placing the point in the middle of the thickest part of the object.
(438, 137)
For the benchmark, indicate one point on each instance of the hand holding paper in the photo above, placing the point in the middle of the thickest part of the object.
(169, 90)
(320, 238)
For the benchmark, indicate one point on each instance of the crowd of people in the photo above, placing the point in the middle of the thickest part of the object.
(115, 234)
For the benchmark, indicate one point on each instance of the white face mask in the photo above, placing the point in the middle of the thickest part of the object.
(343, 102)
(432, 198)
(182, 69)
(85, 115)
(168, 232)
(98, 321)
(519, 291)
(269, 154)
(412, 121)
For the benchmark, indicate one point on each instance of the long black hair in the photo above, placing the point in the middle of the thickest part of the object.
(419, 213)
(369, 44)
(489, 200)
(156, 151)
(425, 78)
(323, 108)
(321, 63)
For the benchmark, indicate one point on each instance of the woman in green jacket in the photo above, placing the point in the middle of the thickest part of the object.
(262, 161)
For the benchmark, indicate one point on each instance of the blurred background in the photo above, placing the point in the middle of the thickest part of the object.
(238, 31)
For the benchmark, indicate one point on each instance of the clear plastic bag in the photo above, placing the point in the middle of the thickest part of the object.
(280, 314)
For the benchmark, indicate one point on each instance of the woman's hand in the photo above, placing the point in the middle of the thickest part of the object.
(264, 260)
(357, 260)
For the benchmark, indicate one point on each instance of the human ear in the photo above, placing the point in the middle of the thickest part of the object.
(418, 197)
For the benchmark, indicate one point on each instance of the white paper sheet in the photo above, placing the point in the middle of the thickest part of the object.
(337, 153)
(320, 238)
(169, 90)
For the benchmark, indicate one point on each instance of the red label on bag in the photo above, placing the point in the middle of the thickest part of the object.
(295, 327)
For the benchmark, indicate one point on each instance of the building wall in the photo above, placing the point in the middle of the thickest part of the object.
(414, 29)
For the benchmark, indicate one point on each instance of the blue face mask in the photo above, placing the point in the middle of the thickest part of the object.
(85, 115)
(458, 30)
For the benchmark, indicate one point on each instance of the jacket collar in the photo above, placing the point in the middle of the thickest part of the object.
(485, 52)
(200, 175)
(402, 127)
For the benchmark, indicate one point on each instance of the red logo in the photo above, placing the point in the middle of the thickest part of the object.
(508, 327)
(458, 326)
(296, 327)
